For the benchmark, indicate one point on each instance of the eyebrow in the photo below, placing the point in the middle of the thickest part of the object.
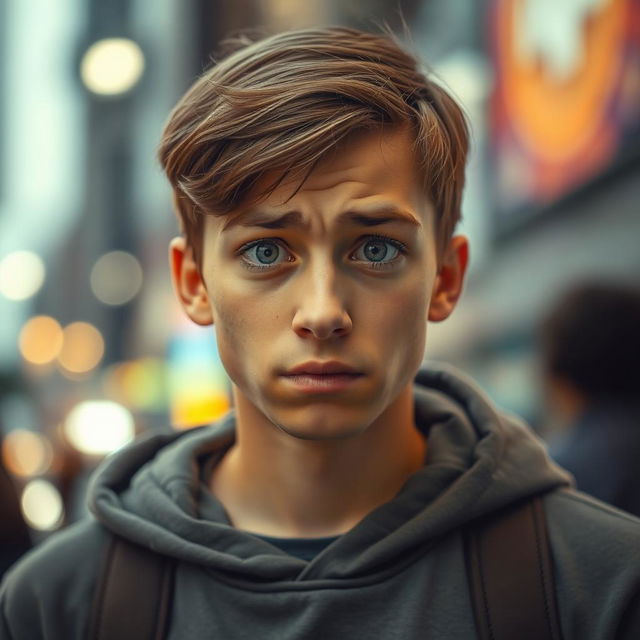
(368, 218)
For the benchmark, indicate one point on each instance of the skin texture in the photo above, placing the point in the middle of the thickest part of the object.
(314, 463)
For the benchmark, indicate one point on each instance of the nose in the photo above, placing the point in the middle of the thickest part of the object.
(321, 311)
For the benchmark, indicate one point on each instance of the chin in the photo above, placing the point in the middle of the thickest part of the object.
(323, 426)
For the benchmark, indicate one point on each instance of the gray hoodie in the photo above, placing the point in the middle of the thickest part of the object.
(399, 573)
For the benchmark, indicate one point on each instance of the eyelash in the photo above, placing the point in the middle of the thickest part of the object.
(401, 247)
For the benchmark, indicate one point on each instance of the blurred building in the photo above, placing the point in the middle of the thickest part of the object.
(562, 188)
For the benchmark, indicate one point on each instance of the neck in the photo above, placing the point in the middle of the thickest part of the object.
(272, 483)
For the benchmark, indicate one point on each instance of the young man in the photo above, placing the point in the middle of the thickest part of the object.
(318, 176)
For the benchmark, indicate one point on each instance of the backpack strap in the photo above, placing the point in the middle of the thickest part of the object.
(510, 575)
(132, 599)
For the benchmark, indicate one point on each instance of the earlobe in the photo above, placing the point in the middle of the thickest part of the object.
(188, 283)
(448, 284)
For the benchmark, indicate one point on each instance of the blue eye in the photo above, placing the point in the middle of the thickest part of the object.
(378, 251)
(264, 253)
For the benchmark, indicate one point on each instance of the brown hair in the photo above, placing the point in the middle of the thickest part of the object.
(283, 102)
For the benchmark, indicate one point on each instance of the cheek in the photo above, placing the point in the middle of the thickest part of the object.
(399, 321)
(244, 329)
(402, 309)
(230, 324)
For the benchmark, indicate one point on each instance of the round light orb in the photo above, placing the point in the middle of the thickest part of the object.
(112, 66)
(42, 505)
(40, 340)
(98, 427)
(82, 348)
(22, 274)
(116, 278)
(26, 453)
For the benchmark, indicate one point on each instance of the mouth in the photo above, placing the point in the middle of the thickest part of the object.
(322, 377)
(329, 368)
(314, 383)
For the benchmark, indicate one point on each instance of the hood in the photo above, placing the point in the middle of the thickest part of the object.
(478, 460)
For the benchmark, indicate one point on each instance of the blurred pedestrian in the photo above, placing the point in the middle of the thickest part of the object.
(591, 367)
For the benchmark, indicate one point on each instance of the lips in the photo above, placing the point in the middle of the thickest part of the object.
(322, 377)
(322, 369)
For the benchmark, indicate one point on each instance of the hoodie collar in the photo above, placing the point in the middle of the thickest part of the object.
(478, 460)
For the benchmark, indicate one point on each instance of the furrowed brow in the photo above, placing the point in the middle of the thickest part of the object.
(374, 218)
(380, 217)
(266, 220)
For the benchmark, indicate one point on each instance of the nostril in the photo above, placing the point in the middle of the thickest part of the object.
(320, 326)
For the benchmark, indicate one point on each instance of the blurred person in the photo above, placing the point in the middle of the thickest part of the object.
(318, 175)
(591, 365)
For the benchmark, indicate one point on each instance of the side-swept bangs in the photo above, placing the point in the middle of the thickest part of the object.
(277, 106)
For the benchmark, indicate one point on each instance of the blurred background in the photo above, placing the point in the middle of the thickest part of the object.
(93, 348)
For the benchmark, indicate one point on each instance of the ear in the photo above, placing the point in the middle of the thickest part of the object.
(448, 284)
(188, 283)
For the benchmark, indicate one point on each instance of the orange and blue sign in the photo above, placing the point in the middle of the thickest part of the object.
(566, 101)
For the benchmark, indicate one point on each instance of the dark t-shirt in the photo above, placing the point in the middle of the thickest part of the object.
(304, 548)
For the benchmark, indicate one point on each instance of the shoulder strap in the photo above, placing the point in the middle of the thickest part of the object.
(132, 599)
(510, 575)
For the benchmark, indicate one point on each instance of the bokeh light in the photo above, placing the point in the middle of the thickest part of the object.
(82, 348)
(140, 384)
(42, 505)
(98, 427)
(198, 385)
(116, 277)
(26, 453)
(112, 66)
(21, 275)
(40, 340)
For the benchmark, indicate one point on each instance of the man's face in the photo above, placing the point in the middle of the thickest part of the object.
(344, 272)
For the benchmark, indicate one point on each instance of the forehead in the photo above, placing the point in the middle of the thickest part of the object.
(370, 171)
(380, 158)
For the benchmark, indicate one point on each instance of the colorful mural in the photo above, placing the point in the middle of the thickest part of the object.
(566, 100)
